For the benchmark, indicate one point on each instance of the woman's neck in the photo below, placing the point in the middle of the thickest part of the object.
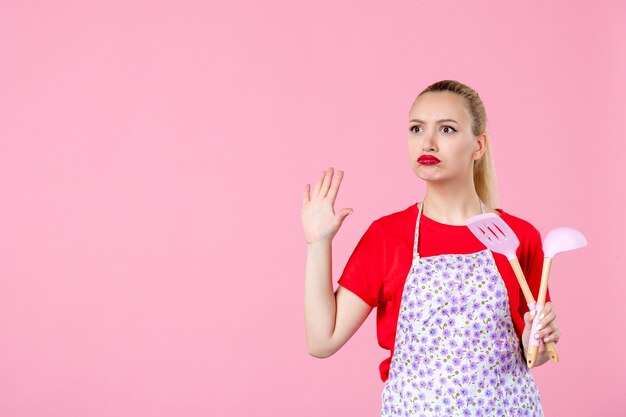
(451, 205)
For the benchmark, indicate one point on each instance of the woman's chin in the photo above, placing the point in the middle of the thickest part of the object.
(428, 174)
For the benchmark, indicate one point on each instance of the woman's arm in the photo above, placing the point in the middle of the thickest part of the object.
(330, 318)
(319, 300)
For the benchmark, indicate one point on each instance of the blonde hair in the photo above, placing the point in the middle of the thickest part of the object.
(485, 181)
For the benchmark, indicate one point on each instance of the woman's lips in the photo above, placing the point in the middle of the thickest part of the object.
(428, 160)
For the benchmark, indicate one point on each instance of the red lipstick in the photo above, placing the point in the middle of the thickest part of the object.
(428, 160)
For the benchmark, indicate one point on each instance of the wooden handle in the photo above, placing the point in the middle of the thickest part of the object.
(531, 356)
(521, 279)
(528, 295)
(551, 348)
(533, 350)
(541, 299)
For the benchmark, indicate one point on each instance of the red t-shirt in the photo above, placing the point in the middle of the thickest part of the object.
(379, 265)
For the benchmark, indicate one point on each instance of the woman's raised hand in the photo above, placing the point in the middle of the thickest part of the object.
(319, 221)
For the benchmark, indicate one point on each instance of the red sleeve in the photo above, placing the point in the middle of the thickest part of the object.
(363, 273)
(532, 265)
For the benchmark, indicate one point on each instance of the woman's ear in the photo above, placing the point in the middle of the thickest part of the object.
(481, 144)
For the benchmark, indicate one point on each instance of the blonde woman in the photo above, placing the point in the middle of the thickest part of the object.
(450, 312)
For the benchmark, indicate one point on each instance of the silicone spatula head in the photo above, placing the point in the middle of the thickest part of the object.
(494, 233)
(562, 239)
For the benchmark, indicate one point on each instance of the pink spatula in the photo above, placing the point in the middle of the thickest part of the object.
(498, 237)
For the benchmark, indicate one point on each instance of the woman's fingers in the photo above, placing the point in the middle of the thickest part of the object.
(547, 318)
(327, 185)
(546, 309)
(551, 333)
(547, 328)
(305, 195)
(545, 324)
(528, 318)
(327, 179)
(318, 184)
(334, 187)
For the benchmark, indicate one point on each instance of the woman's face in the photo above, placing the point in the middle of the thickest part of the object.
(440, 126)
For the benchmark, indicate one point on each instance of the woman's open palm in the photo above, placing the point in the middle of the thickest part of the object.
(319, 221)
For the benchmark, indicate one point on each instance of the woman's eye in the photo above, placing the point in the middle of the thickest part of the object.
(415, 127)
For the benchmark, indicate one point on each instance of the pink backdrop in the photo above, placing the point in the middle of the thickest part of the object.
(152, 161)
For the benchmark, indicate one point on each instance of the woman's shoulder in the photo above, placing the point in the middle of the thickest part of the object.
(398, 217)
(395, 223)
(404, 219)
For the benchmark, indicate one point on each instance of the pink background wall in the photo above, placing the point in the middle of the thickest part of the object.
(152, 161)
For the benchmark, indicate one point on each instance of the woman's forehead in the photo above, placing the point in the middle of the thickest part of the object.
(433, 106)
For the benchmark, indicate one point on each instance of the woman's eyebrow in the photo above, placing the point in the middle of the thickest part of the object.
(438, 121)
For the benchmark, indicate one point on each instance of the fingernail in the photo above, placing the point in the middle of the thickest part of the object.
(539, 326)
(545, 339)
(541, 317)
(536, 335)
(532, 313)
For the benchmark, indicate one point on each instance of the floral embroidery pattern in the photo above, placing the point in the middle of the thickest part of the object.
(456, 352)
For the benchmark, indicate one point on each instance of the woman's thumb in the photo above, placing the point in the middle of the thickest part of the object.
(344, 213)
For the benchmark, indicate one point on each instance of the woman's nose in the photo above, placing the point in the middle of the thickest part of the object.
(429, 143)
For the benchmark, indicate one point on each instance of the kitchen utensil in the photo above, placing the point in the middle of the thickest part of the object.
(498, 237)
(557, 240)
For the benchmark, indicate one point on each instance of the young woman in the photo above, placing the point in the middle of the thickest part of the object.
(449, 310)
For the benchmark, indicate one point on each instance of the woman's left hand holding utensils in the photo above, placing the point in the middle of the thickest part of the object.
(548, 331)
